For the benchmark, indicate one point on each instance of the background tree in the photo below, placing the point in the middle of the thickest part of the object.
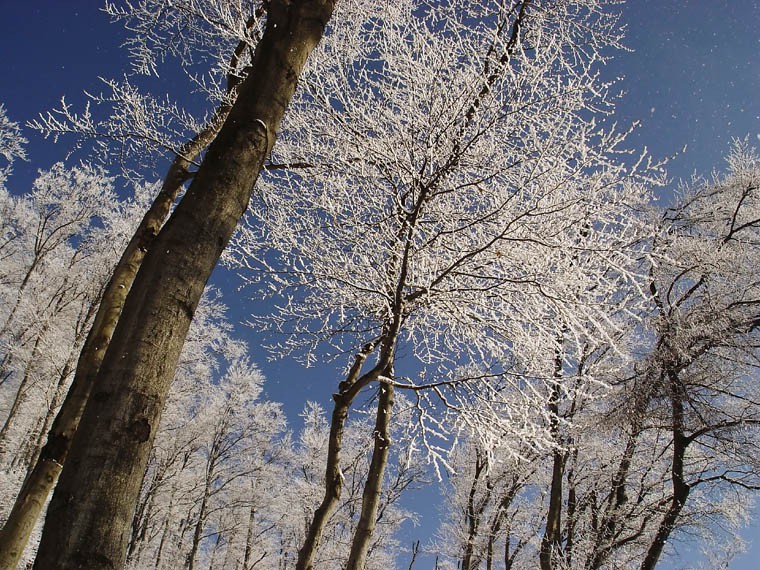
(640, 461)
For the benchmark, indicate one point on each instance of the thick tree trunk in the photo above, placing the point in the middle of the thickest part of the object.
(108, 312)
(373, 486)
(91, 511)
(43, 476)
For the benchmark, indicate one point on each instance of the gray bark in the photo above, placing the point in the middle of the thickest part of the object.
(92, 508)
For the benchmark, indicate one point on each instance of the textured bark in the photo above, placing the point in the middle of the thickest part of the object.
(373, 486)
(89, 517)
(39, 483)
(108, 312)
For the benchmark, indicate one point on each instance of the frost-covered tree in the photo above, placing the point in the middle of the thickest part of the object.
(701, 372)
(664, 445)
(460, 201)
(60, 241)
(12, 144)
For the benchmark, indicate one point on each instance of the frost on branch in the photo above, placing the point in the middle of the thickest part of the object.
(11, 144)
(462, 207)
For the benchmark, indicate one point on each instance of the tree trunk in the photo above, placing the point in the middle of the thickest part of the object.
(20, 397)
(43, 476)
(473, 514)
(348, 390)
(109, 310)
(550, 542)
(197, 532)
(91, 511)
(572, 504)
(249, 537)
(373, 486)
(604, 540)
(681, 489)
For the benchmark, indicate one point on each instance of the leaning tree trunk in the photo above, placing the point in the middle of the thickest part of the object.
(92, 508)
(373, 486)
(43, 475)
(347, 391)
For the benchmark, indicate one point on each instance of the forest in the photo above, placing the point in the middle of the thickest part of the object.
(433, 202)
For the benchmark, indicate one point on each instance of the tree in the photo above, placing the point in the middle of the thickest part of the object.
(707, 300)
(91, 510)
(61, 239)
(659, 441)
(452, 167)
(135, 135)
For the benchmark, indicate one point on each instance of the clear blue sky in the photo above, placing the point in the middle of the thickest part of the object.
(693, 79)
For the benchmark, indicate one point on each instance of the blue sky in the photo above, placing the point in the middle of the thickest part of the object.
(693, 79)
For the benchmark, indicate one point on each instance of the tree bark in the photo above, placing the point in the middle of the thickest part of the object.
(473, 514)
(348, 390)
(373, 486)
(681, 489)
(89, 517)
(43, 476)
(550, 542)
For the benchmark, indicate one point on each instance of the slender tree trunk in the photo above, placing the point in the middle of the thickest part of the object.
(20, 397)
(33, 449)
(200, 523)
(333, 485)
(607, 528)
(681, 489)
(22, 287)
(348, 390)
(473, 514)
(551, 540)
(249, 537)
(373, 486)
(91, 510)
(162, 542)
(498, 519)
(33, 453)
(572, 504)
